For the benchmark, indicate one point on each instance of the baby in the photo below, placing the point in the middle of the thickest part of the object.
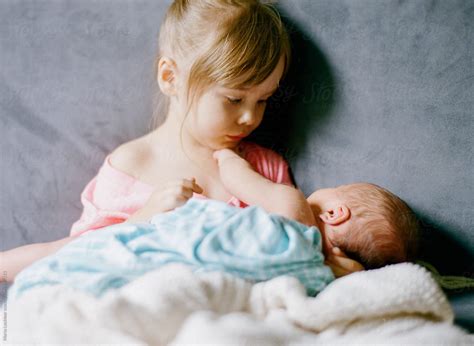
(368, 223)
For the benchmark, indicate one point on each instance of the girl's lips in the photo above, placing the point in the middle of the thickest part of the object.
(236, 137)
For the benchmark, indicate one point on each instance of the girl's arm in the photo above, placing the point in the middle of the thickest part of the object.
(15, 260)
(243, 182)
(171, 196)
(145, 213)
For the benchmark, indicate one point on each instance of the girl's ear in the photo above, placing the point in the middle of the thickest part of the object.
(166, 75)
(336, 216)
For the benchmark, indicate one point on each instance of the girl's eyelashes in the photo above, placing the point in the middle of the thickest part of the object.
(234, 101)
(237, 101)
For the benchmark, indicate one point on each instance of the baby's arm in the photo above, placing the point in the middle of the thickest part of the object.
(243, 182)
(15, 260)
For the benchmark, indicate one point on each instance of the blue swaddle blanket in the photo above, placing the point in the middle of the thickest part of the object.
(206, 234)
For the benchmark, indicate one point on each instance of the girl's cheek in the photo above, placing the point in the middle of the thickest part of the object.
(224, 115)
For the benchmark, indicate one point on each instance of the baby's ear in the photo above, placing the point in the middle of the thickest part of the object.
(336, 216)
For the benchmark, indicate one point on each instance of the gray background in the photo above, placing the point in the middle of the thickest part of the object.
(379, 91)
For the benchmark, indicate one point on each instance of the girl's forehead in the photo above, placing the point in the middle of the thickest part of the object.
(268, 86)
(256, 89)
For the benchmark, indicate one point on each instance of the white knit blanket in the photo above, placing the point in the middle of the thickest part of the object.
(397, 304)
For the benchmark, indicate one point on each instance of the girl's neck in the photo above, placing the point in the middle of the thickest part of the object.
(169, 136)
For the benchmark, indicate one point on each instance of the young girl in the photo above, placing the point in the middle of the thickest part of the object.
(218, 63)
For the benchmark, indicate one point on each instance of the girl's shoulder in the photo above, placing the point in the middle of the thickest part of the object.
(129, 157)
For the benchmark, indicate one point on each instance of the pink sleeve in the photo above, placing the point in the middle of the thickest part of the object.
(285, 174)
(269, 164)
(92, 216)
(109, 198)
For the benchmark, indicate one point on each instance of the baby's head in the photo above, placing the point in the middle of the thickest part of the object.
(220, 59)
(369, 223)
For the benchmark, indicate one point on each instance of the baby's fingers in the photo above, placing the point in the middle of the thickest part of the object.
(338, 252)
(338, 271)
(346, 263)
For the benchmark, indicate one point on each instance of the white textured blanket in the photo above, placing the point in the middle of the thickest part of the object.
(397, 304)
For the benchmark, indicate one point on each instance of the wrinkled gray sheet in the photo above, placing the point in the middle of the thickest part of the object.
(380, 91)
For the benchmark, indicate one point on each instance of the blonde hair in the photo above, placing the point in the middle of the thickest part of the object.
(385, 230)
(236, 43)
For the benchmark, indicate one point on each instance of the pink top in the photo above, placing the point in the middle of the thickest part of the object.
(112, 196)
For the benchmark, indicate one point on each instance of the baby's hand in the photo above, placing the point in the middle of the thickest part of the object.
(342, 265)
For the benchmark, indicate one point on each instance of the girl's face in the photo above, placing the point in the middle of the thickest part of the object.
(222, 116)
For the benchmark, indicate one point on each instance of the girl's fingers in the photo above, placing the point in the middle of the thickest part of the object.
(184, 187)
(187, 193)
(197, 189)
(191, 185)
(187, 183)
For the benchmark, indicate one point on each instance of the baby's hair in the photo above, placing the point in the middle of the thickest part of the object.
(386, 230)
(235, 43)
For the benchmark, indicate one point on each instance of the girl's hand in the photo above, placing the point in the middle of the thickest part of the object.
(173, 194)
(231, 166)
(224, 155)
(340, 264)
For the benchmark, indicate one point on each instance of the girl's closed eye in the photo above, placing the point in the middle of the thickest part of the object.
(234, 101)
(238, 101)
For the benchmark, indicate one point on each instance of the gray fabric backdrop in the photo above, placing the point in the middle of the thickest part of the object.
(379, 91)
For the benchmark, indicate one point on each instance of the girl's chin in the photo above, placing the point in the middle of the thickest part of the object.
(232, 144)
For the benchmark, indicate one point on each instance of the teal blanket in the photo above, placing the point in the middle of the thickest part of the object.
(206, 234)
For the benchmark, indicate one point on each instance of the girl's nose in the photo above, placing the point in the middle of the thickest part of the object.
(248, 118)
